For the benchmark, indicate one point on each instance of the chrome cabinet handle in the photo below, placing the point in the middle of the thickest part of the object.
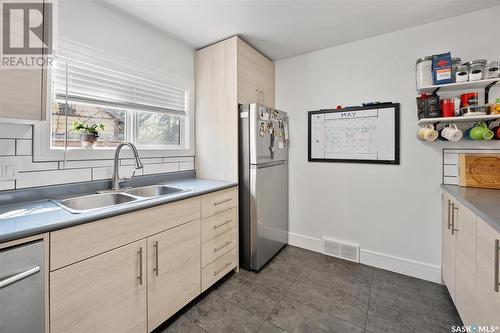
(18, 277)
(222, 224)
(497, 273)
(221, 202)
(449, 205)
(140, 266)
(223, 246)
(223, 268)
(155, 269)
(453, 230)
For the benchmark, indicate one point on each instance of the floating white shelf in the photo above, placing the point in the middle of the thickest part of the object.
(458, 86)
(458, 119)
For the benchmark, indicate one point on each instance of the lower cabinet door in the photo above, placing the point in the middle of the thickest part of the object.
(488, 274)
(448, 266)
(174, 271)
(465, 264)
(105, 293)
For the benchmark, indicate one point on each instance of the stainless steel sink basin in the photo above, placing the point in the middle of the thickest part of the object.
(94, 201)
(153, 191)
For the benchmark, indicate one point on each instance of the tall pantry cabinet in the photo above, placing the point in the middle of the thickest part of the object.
(227, 73)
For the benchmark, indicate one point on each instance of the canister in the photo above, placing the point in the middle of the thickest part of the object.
(492, 70)
(461, 73)
(455, 62)
(423, 72)
(476, 69)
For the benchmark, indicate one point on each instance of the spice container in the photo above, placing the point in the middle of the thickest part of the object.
(423, 72)
(461, 73)
(476, 69)
(492, 70)
(495, 107)
(455, 62)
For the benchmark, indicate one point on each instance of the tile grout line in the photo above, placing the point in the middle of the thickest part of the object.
(281, 299)
(368, 304)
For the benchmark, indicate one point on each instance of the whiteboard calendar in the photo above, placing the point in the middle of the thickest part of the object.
(356, 134)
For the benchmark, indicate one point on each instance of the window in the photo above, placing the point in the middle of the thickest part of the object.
(148, 113)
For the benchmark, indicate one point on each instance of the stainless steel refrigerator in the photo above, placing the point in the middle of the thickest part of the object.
(263, 184)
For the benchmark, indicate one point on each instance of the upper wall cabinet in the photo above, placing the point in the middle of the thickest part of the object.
(227, 73)
(255, 76)
(22, 86)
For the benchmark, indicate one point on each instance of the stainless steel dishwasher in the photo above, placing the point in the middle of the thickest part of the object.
(22, 291)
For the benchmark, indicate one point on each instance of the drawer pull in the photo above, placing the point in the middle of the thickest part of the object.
(222, 224)
(221, 202)
(453, 208)
(155, 269)
(223, 268)
(223, 246)
(497, 273)
(140, 266)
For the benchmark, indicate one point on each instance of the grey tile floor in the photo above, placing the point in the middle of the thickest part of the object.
(303, 291)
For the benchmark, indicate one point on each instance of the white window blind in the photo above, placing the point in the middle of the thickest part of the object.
(79, 81)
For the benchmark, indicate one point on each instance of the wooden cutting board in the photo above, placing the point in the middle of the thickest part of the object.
(480, 170)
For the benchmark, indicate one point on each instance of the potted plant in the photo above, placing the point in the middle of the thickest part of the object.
(89, 133)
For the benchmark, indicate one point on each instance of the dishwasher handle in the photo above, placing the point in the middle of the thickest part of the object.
(18, 277)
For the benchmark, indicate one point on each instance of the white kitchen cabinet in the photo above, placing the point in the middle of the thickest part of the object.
(488, 274)
(449, 240)
(465, 263)
(470, 263)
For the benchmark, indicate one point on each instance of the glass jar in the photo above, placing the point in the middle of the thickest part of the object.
(492, 70)
(423, 72)
(455, 62)
(462, 73)
(477, 69)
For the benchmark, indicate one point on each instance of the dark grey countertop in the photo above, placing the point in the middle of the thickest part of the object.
(20, 220)
(484, 202)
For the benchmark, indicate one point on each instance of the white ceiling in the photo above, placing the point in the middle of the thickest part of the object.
(282, 29)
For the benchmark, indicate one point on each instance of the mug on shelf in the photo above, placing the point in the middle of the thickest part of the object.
(480, 131)
(451, 133)
(496, 132)
(427, 133)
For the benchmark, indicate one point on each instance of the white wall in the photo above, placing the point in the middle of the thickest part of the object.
(94, 25)
(393, 212)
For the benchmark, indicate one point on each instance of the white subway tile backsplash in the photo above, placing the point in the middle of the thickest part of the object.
(450, 158)
(125, 171)
(450, 170)
(178, 159)
(25, 163)
(183, 166)
(7, 185)
(7, 147)
(15, 131)
(23, 147)
(130, 161)
(43, 178)
(85, 164)
(161, 168)
(450, 180)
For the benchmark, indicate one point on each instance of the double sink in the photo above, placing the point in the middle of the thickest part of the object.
(87, 203)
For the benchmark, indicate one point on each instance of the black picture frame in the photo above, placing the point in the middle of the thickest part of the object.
(395, 161)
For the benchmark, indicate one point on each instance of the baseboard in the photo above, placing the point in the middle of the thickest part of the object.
(401, 265)
(376, 259)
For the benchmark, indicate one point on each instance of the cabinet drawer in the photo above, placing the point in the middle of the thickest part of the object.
(86, 240)
(217, 202)
(217, 269)
(218, 224)
(218, 246)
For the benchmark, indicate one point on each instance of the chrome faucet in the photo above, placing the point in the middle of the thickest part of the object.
(115, 181)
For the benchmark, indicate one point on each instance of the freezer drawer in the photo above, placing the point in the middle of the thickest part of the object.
(22, 289)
